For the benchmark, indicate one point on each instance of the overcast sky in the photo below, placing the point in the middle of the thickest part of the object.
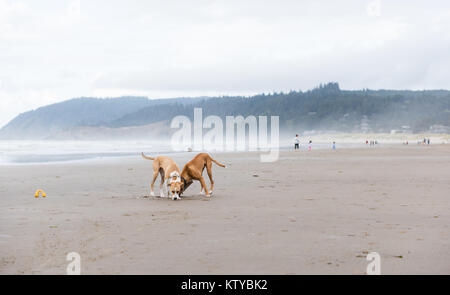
(55, 50)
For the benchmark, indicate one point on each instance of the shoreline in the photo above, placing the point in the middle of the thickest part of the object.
(112, 156)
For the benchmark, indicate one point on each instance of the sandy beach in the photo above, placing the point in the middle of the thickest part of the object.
(317, 212)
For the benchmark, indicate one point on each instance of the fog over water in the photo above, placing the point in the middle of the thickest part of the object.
(13, 152)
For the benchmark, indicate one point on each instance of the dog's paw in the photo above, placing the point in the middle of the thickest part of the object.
(152, 194)
(201, 193)
(210, 193)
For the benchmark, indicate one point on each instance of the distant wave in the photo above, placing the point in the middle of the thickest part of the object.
(29, 151)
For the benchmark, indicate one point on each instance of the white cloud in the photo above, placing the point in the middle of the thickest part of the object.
(55, 50)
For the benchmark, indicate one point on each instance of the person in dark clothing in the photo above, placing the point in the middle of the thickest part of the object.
(296, 142)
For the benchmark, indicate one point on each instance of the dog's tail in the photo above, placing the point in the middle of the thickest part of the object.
(145, 157)
(221, 165)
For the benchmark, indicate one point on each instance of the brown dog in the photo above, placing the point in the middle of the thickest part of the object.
(170, 176)
(193, 170)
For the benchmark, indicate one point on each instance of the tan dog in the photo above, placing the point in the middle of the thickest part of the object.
(170, 176)
(193, 170)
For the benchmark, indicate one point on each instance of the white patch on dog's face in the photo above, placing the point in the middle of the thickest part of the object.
(175, 190)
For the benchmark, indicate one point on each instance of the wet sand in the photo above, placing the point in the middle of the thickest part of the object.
(317, 212)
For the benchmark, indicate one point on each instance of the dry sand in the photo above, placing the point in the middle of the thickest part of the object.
(317, 212)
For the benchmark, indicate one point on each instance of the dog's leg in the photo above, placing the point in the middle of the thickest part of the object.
(166, 188)
(161, 185)
(209, 170)
(168, 192)
(156, 170)
(155, 175)
(203, 183)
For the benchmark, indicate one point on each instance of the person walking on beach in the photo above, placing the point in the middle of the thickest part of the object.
(334, 145)
(296, 142)
(310, 142)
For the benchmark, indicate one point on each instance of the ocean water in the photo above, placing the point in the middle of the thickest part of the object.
(16, 152)
(19, 152)
(47, 151)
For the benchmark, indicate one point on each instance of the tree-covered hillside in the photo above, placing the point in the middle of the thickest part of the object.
(325, 108)
(86, 111)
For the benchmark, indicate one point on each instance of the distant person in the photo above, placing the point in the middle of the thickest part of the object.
(367, 142)
(428, 141)
(334, 145)
(296, 142)
(310, 143)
